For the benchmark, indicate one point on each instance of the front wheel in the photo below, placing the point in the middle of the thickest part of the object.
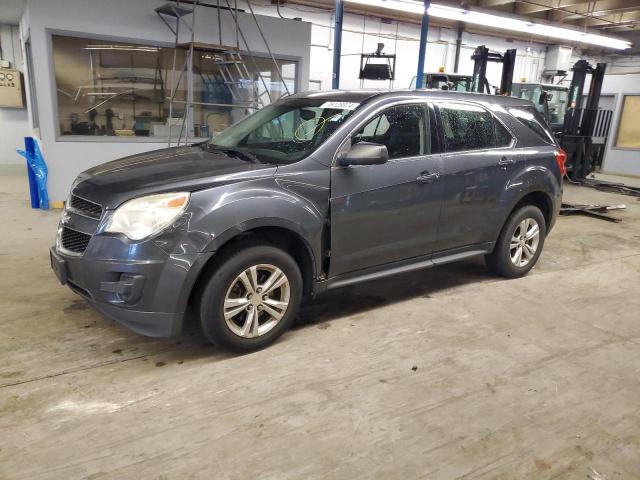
(520, 243)
(251, 299)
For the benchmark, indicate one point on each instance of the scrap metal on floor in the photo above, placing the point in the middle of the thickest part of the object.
(596, 211)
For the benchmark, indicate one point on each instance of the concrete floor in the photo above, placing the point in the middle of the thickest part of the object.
(445, 373)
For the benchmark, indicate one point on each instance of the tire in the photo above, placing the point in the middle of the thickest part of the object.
(504, 259)
(247, 301)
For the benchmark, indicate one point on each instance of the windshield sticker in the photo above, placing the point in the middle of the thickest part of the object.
(340, 105)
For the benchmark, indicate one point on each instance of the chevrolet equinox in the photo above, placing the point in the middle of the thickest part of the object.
(316, 191)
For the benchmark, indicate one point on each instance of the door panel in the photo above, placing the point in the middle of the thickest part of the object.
(474, 174)
(383, 213)
(472, 182)
(389, 212)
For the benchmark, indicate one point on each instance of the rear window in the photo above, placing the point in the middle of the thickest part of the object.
(471, 127)
(533, 119)
(466, 127)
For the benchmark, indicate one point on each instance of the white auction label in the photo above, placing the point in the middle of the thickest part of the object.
(340, 105)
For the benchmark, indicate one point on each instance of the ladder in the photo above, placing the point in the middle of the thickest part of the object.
(233, 71)
(235, 75)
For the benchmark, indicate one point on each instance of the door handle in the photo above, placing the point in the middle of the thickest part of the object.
(427, 177)
(504, 161)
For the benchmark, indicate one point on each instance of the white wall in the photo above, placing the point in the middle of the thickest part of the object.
(14, 122)
(134, 21)
(616, 160)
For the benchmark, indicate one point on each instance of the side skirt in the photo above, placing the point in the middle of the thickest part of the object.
(403, 266)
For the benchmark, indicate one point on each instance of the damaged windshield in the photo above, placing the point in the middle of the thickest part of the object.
(286, 131)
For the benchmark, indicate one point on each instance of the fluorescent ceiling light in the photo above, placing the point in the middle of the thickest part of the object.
(126, 48)
(496, 21)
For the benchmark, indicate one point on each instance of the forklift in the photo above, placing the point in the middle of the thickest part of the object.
(478, 81)
(550, 100)
(481, 57)
(584, 138)
(586, 127)
(581, 131)
(445, 81)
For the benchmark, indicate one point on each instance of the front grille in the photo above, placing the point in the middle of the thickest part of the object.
(74, 241)
(86, 207)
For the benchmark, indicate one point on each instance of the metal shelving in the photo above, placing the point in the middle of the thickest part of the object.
(232, 70)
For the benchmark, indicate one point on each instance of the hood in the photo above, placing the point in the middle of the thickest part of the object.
(188, 168)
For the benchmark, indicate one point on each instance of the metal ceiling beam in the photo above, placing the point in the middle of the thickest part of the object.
(493, 3)
(543, 4)
(535, 6)
(626, 19)
(576, 12)
(601, 8)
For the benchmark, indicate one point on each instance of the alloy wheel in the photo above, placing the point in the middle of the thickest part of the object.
(256, 300)
(524, 242)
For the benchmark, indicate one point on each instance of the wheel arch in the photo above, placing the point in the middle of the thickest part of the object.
(535, 196)
(540, 199)
(278, 236)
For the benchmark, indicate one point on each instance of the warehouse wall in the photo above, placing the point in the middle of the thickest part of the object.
(622, 77)
(135, 22)
(617, 160)
(14, 122)
(623, 64)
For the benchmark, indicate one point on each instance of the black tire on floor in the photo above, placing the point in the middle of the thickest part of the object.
(499, 261)
(211, 297)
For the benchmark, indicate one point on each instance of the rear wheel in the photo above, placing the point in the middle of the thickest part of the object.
(251, 299)
(520, 243)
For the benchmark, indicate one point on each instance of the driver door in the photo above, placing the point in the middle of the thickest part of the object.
(390, 212)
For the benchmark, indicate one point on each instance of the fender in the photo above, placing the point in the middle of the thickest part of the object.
(237, 208)
(531, 178)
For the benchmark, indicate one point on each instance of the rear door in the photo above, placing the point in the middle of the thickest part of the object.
(389, 212)
(479, 158)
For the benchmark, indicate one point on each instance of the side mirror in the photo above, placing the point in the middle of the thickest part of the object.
(364, 153)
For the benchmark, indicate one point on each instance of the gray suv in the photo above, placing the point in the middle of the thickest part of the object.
(314, 192)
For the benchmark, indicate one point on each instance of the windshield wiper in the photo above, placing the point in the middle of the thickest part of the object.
(236, 152)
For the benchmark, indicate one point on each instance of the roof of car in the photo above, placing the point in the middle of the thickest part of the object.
(360, 96)
(339, 95)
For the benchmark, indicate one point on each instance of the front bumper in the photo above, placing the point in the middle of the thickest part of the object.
(149, 295)
(151, 324)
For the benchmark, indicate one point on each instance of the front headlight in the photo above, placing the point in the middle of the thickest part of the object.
(144, 216)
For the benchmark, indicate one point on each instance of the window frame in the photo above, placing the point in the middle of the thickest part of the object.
(59, 137)
(619, 107)
(511, 146)
(34, 112)
(425, 118)
(548, 133)
(426, 104)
